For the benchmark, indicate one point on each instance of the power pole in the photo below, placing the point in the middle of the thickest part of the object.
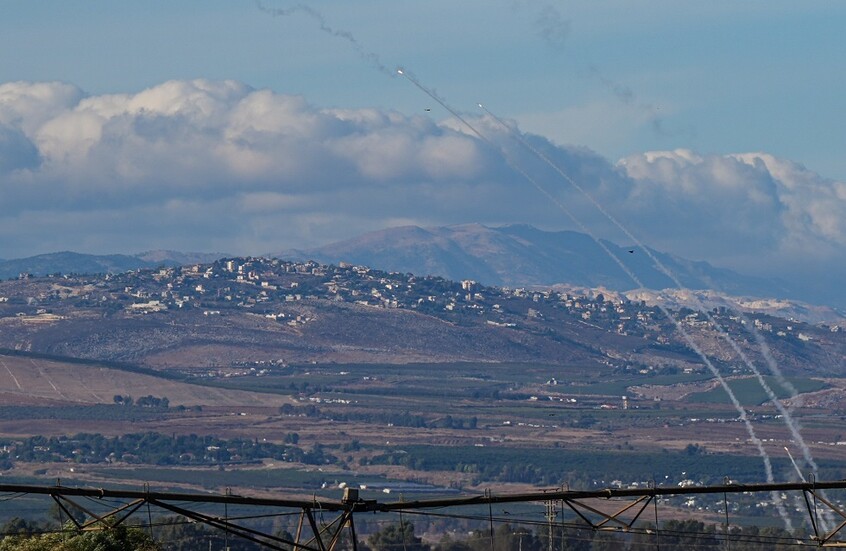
(551, 514)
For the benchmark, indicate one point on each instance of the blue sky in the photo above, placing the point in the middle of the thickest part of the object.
(723, 77)
(250, 127)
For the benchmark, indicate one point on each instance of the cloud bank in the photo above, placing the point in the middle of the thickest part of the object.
(219, 166)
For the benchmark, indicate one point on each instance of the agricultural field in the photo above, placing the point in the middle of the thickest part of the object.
(415, 427)
(750, 392)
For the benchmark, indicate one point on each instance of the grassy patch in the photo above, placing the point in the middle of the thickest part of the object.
(750, 392)
(584, 468)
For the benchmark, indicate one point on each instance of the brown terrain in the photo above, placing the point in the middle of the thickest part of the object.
(367, 366)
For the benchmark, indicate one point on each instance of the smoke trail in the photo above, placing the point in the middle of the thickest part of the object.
(666, 271)
(627, 96)
(550, 25)
(795, 466)
(412, 79)
(721, 331)
(771, 362)
(621, 91)
(375, 61)
(365, 54)
(679, 327)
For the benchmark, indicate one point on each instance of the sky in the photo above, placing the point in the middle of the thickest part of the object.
(709, 130)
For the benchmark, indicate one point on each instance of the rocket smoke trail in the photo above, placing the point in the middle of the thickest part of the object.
(679, 327)
(790, 423)
(365, 54)
(627, 96)
(375, 61)
(795, 466)
(402, 72)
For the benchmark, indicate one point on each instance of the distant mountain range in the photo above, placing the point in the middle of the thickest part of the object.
(511, 256)
(522, 255)
(77, 263)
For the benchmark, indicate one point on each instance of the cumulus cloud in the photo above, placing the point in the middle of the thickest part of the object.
(29, 105)
(219, 166)
(750, 210)
(185, 150)
(16, 150)
(706, 202)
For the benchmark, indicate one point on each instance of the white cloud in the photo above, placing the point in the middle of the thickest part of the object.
(28, 105)
(745, 209)
(220, 166)
(199, 144)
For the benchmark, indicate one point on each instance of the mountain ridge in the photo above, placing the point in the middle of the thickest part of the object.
(517, 255)
(67, 262)
(522, 255)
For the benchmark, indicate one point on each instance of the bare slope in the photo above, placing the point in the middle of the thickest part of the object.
(27, 380)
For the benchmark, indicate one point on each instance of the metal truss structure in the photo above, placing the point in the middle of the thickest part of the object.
(607, 509)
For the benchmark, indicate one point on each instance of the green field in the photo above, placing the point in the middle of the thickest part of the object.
(579, 466)
(453, 380)
(750, 392)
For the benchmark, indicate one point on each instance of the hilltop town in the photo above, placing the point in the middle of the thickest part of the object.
(294, 312)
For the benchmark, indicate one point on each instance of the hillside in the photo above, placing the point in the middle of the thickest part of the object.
(251, 311)
(38, 381)
(309, 375)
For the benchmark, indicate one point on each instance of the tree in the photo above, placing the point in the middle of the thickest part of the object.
(569, 538)
(18, 526)
(688, 534)
(604, 541)
(177, 535)
(396, 537)
(118, 538)
(645, 539)
(448, 544)
(57, 513)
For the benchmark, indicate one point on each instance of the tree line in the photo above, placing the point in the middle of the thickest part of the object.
(175, 534)
(154, 448)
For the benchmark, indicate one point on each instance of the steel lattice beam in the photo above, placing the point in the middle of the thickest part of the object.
(631, 504)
